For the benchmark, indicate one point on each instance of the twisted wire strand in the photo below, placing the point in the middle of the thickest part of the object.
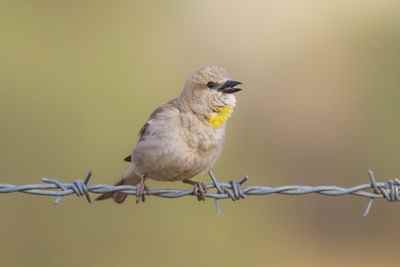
(388, 190)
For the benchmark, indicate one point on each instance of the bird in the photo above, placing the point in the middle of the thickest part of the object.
(183, 137)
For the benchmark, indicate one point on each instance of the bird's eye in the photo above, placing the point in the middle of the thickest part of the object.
(211, 85)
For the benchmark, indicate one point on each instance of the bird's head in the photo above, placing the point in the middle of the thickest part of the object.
(209, 93)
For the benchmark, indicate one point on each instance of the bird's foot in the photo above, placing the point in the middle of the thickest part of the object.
(141, 190)
(199, 189)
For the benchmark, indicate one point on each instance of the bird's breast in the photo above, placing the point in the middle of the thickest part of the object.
(202, 138)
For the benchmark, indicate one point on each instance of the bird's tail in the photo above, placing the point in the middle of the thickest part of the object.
(118, 197)
(129, 178)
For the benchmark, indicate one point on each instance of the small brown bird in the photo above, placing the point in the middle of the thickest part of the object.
(185, 136)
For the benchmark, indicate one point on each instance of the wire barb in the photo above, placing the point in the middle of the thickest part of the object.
(219, 190)
(234, 190)
(78, 187)
(389, 190)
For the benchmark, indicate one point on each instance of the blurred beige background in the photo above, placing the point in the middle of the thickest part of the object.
(320, 106)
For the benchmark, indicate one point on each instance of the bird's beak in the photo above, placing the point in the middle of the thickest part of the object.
(228, 87)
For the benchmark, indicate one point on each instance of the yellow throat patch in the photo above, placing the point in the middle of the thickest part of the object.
(217, 118)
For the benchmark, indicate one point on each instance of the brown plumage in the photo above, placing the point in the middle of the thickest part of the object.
(183, 137)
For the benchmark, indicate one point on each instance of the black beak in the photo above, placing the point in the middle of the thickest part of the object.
(228, 87)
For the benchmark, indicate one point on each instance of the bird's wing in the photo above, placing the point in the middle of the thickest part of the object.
(156, 114)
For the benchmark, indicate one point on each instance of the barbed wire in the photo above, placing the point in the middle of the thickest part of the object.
(388, 190)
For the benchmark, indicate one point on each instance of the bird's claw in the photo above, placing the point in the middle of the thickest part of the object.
(200, 191)
(141, 190)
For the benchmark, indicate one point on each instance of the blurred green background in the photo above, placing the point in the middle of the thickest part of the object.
(79, 78)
